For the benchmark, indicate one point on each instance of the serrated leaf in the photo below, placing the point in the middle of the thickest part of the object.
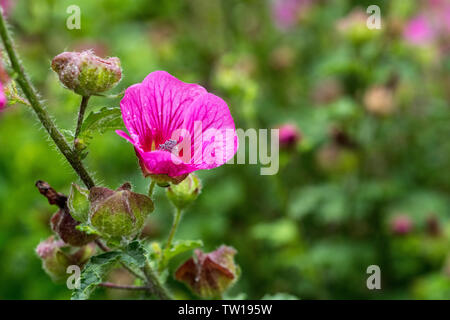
(99, 122)
(94, 273)
(134, 256)
(177, 248)
(78, 203)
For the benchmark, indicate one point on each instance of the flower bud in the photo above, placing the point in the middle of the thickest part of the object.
(85, 73)
(184, 193)
(118, 213)
(66, 227)
(353, 27)
(57, 256)
(289, 136)
(209, 275)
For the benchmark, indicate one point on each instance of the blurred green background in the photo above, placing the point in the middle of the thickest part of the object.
(367, 184)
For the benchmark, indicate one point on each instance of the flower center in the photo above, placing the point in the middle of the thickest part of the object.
(169, 145)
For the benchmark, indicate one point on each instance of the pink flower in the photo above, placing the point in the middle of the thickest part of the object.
(419, 31)
(286, 12)
(401, 224)
(2, 97)
(176, 127)
(7, 6)
(289, 135)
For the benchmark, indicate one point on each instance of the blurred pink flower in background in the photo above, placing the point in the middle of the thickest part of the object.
(286, 13)
(161, 105)
(432, 22)
(7, 5)
(401, 224)
(419, 31)
(289, 135)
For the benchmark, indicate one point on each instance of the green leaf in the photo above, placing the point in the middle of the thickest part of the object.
(177, 248)
(134, 254)
(94, 273)
(105, 119)
(78, 203)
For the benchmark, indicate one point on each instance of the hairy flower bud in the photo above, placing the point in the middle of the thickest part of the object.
(57, 256)
(118, 213)
(184, 193)
(66, 227)
(209, 275)
(85, 73)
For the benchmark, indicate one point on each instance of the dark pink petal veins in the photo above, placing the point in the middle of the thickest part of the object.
(212, 131)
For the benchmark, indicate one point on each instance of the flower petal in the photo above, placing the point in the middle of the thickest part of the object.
(212, 132)
(154, 108)
(163, 162)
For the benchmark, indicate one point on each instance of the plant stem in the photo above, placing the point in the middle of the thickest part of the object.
(151, 188)
(176, 221)
(155, 285)
(111, 285)
(83, 106)
(39, 109)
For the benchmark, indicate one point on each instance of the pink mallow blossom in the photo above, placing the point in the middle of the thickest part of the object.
(176, 127)
(2, 97)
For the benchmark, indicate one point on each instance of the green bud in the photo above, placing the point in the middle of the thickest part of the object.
(56, 256)
(85, 73)
(186, 192)
(118, 213)
(78, 203)
(210, 275)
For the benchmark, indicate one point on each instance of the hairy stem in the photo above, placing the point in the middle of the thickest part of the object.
(176, 222)
(30, 92)
(32, 97)
(111, 285)
(155, 285)
(83, 106)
